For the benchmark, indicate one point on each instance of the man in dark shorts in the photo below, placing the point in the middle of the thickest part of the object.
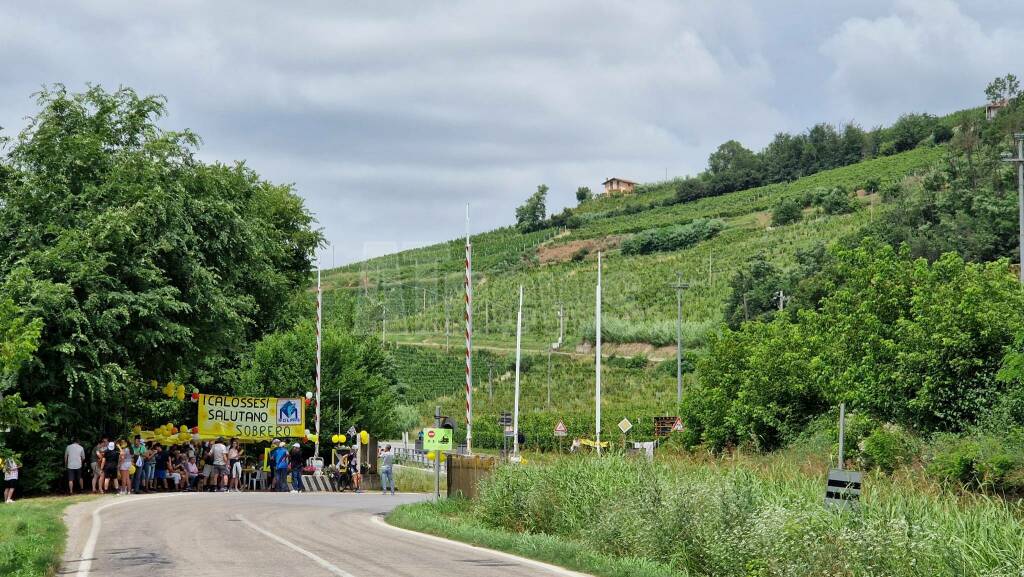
(74, 459)
(160, 460)
(109, 466)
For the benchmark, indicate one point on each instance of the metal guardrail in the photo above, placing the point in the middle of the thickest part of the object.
(418, 457)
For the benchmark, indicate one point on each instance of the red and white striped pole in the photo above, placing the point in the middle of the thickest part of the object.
(319, 317)
(469, 339)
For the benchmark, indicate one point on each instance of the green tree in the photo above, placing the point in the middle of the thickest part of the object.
(752, 291)
(787, 211)
(530, 216)
(732, 167)
(905, 341)
(1003, 88)
(141, 261)
(583, 194)
(19, 338)
(355, 370)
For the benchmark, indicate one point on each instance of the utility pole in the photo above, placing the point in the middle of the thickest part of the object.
(597, 358)
(519, 342)
(1019, 161)
(680, 286)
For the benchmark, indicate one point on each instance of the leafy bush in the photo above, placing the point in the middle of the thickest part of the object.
(981, 460)
(733, 522)
(785, 212)
(888, 448)
(909, 342)
(838, 201)
(672, 237)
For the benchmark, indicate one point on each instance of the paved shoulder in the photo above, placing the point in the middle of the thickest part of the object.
(268, 534)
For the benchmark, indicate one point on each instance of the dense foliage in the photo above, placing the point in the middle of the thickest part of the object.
(530, 216)
(140, 261)
(725, 519)
(672, 237)
(910, 342)
(357, 377)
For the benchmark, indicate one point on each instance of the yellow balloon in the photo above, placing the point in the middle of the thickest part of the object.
(430, 456)
(342, 438)
(180, 395)
(334, 438)
(131, 471)
(364, 437)
(314, 438)
(443, 457)
(154, 384)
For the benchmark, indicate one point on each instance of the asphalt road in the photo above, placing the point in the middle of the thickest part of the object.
(267, 534)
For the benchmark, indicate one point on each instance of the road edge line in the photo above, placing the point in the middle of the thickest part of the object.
(85, 563)
(318, 559)
(379, 519)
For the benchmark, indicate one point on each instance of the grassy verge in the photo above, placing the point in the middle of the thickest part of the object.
(453, 519)
(32, 536)
(412, 479)
(735, 517)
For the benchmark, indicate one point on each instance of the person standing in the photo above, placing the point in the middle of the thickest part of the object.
(279, 456)
(353, 470)
(96, 457)
(124, 467)
(10, 478)
(219, 454)
(160, 466)
(74, 458)
(234, 465)
(295, 464)
(139, 460)
(387, 473)
(108, 464)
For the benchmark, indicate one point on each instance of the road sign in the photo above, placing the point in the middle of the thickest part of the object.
(677, 426)
(352, 431)
(663, 426)
(437, 439)
(560, 430)
(625, 426)
(510, 431)
(843, 489)
(504, 419)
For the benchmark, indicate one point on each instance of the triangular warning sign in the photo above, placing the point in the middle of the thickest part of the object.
(560, 427)
(677, 426)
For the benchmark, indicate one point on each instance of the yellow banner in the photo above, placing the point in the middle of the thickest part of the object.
(251, 418)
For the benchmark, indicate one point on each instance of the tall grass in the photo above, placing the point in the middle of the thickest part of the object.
(735, 521)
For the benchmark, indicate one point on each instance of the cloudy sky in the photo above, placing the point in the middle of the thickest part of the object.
(390, 116)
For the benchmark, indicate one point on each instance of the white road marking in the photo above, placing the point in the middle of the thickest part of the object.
(94, 533)
(318, 559)
(539, 564)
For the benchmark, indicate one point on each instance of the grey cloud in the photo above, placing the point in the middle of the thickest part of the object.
(390, 116)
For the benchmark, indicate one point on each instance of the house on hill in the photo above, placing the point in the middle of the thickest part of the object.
(992, 108)
(617, 185)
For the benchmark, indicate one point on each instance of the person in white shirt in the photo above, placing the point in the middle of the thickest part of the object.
(10, 478)
(74, 458)
(219, 454)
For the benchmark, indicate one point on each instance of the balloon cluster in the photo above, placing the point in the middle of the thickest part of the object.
(431, 455)
(175, 391)
(338, 439)
(166, 434)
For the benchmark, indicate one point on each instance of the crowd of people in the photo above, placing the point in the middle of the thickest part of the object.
(124, 468)
(120, 467)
